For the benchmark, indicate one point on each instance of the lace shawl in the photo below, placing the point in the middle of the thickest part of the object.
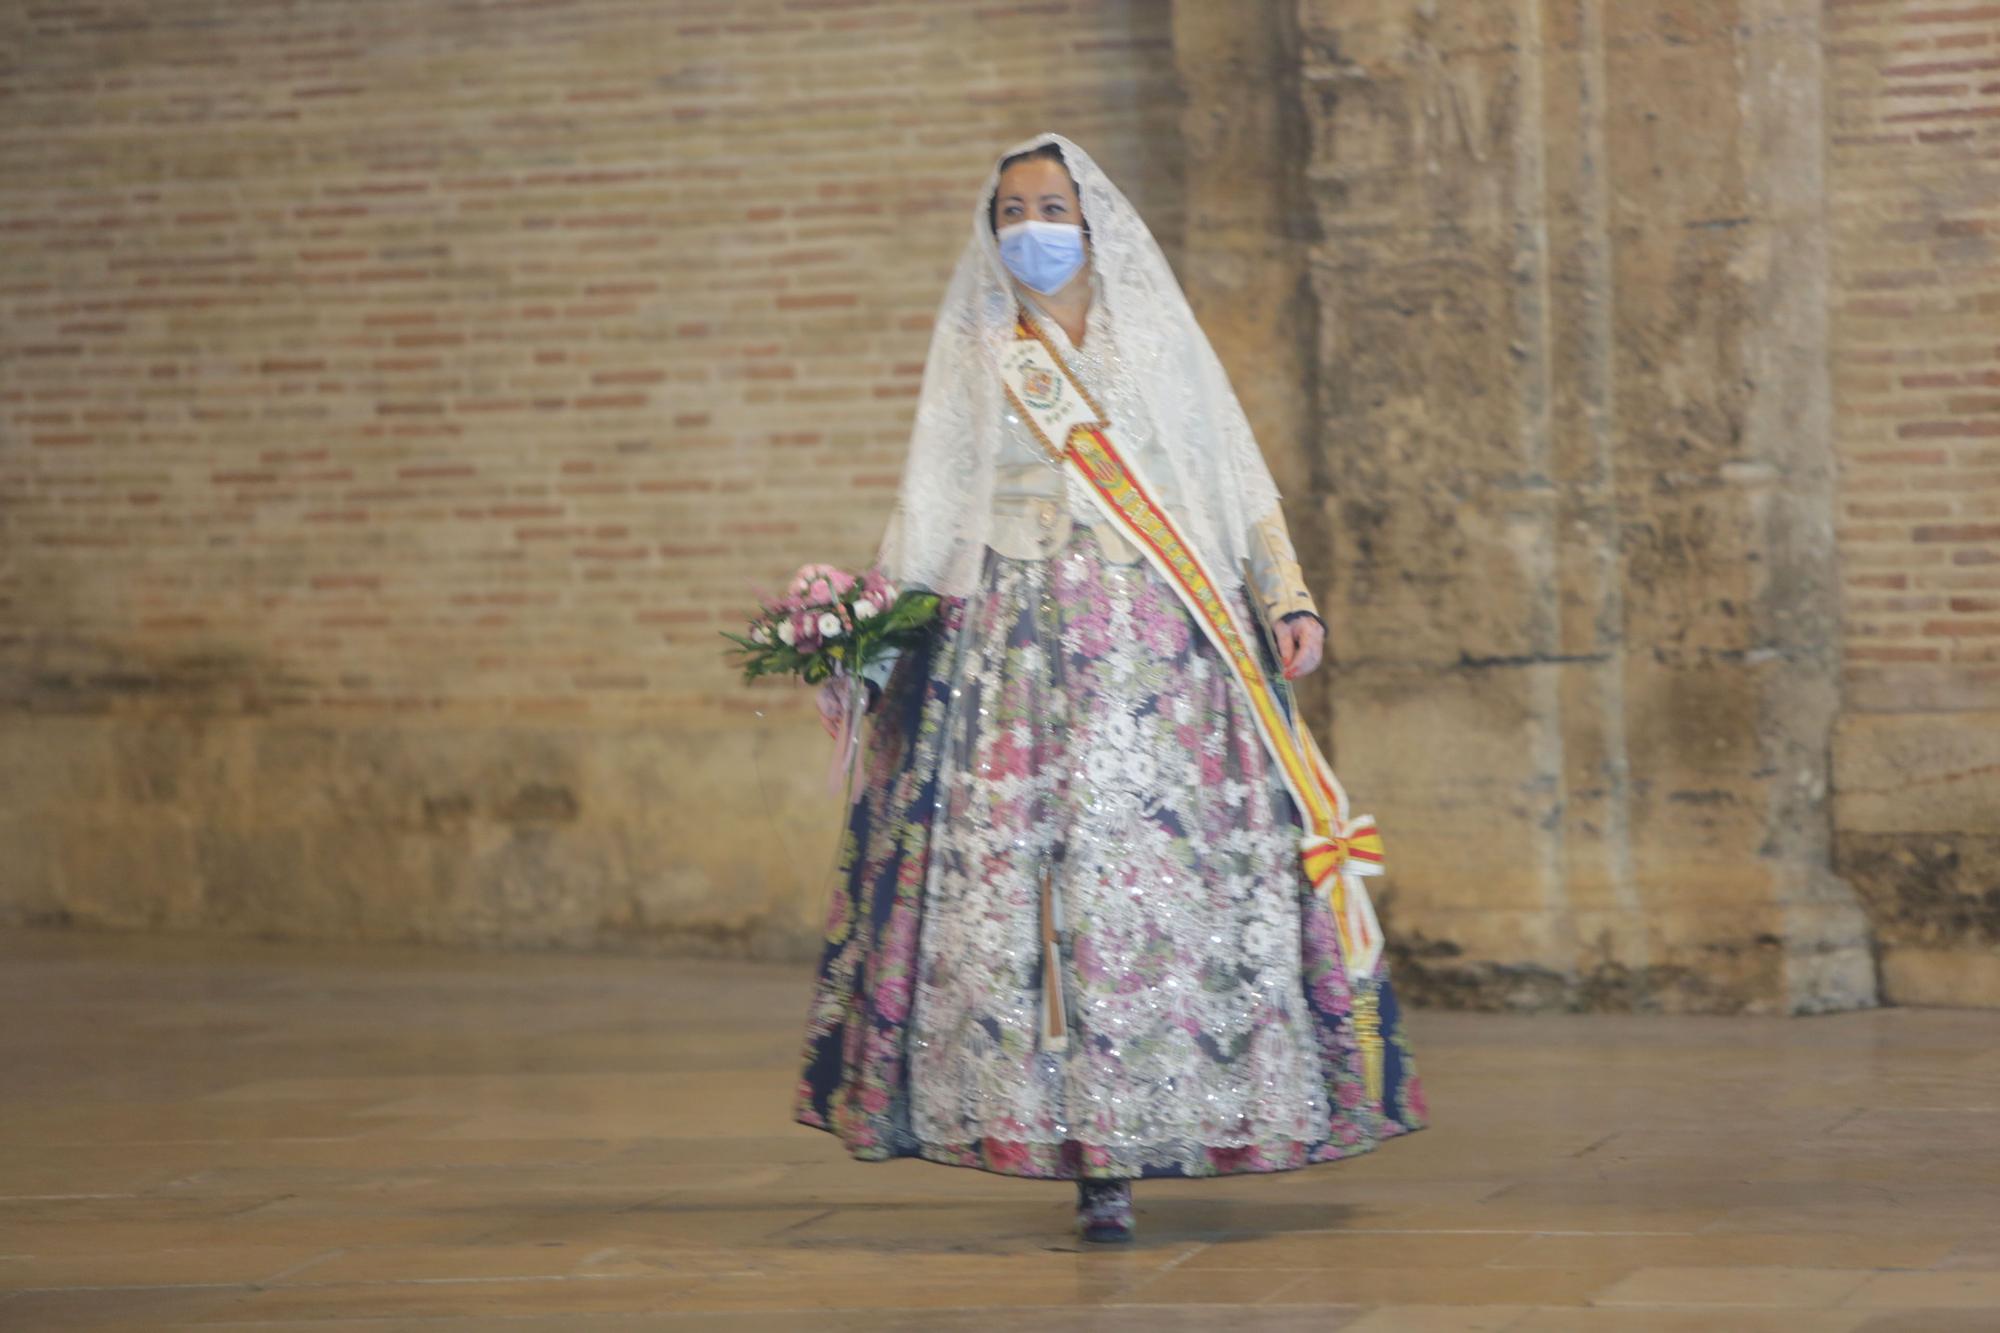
(1214, 475)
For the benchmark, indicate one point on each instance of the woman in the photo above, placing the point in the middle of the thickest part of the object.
(1073, 937)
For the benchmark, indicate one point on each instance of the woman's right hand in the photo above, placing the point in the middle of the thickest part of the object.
(832, 701)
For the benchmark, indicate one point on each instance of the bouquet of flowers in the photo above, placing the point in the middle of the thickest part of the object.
(830, 623)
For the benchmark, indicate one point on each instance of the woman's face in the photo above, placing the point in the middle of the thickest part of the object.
(1036, 188)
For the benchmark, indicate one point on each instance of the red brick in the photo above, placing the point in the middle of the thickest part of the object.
(1957, 532)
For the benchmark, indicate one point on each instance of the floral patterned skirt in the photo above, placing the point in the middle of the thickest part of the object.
(1068, 752)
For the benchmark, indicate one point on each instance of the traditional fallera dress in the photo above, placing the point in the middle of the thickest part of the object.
(1070, 935)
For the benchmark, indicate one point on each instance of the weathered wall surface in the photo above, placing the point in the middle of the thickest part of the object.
(399, 397)
(1914, 203)
(1247, 253)
(395, 400)
(1248, 227)
(1576, 411)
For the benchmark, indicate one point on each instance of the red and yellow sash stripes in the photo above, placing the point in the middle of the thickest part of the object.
(1336, 850)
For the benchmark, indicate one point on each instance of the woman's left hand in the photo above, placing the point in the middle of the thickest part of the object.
(1300, 641)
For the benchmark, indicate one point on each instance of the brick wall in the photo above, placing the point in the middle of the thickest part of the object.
(367, 362)
(1915, 201)
(1914, 205)
(408, 356)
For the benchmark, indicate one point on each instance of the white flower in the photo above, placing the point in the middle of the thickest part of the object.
(866, 610)
(759, 634)
(785, 634)
(829, 626)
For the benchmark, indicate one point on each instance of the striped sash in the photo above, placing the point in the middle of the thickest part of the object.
(1336, 850)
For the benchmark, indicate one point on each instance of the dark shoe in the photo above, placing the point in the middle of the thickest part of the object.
(1104, 1209)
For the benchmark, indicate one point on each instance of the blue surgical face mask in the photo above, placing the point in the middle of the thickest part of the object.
(1043, 255)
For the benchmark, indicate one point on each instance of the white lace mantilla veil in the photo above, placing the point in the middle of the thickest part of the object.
(1220, 482)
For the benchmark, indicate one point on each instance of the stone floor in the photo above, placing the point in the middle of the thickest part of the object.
(201, 1133)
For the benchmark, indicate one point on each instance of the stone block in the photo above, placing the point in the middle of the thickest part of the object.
(1435, 139)
(1693, 732)
(31, 871)
(1673, 152)
(1920, 687)
(54, 762)
(260, 878)
(1965, 978)
(709, 837)
(1898, 773)
(1369, 31)
(1451, 766)
(1930, 890)
(129, 871)
(1677, 24)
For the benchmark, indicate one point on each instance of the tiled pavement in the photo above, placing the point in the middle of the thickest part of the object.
(200, 1133)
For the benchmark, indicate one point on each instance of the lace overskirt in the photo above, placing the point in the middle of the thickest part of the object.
(1070, 721)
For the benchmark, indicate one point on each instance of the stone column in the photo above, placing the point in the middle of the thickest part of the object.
(1573, 474)
(1250, 229)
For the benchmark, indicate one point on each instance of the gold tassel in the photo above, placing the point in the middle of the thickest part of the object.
(1368, 1035)
(1055, 1025)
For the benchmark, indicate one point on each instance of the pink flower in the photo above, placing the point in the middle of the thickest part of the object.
(1007, 1155)
(1228, 1160)
(1092, 633)
(1008, 757)
(1090, 966)
(897, 942)
(805, 631)
(820, 583)
(1162, 625)
(892, 998)
(804, 578)
(1330, 995)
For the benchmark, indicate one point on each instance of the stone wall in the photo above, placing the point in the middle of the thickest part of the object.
(1630, 583)
(399, 398)
(1576, 413)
